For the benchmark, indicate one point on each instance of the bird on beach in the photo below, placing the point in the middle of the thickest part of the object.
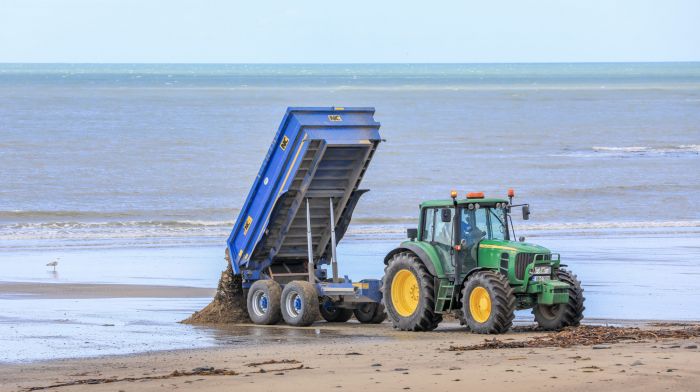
(53, 263)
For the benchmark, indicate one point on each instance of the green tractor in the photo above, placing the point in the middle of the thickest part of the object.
(464, 259)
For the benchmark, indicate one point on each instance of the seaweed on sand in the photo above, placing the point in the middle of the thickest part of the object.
(587, 335)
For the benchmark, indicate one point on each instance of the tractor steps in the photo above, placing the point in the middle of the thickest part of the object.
(445, 296)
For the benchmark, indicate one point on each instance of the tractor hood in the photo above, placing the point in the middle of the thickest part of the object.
(513, 246)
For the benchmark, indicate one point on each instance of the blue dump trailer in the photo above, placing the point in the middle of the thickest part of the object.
(283, 243)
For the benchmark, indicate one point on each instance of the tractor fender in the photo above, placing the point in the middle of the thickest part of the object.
(418, 251)
(475, 270)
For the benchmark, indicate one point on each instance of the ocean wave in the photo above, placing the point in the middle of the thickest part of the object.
(118, 224)
(633, 151)
(609, 225)
(554, 226)
(107, 217)
(191, 230)
(692, 148)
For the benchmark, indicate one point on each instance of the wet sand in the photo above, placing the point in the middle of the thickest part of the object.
(24, 290)
(375, 357)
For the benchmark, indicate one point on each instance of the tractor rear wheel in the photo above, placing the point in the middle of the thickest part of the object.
(299, 303)
(409, 294)
(370, 313)
(263, 302)
(488, 303)
(558, 316)
(333, 314)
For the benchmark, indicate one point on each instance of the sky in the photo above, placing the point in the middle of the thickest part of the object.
(358, 31)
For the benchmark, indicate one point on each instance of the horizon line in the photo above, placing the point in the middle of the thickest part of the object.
(352, 63)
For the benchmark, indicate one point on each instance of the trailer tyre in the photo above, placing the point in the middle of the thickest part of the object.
(488, 303)
(263, 302)
(370, 313)
(300, 303)
(409, 294)
(333, 314)
(558, 316)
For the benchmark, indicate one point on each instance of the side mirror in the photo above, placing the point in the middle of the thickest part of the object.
(446, 215)
(526, 212)
(412, 234)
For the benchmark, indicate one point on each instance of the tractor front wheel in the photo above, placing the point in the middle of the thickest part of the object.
(558, 316)
(488, 303)
(409, 294)
(299, 303)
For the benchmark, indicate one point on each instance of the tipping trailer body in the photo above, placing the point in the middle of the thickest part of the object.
(303, 199)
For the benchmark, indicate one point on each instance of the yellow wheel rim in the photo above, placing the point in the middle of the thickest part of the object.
(405, 293)
(480, 304)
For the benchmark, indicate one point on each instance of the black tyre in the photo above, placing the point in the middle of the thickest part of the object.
(370, 313)
(299, 303)
(555, 317)
(409, 294)
(488, 303)
(263, 302)
(332, 313)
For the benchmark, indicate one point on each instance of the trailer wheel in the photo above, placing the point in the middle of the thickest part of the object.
(488, 303)
(333, 314)
(263, 302)
(409, 294)
(370, 313)
(300, 303)
(558, 316)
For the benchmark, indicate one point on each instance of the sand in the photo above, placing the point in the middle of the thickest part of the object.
(375, 357)
(227, 306)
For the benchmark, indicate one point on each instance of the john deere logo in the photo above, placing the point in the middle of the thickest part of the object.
(246, 225)
(334, 117)
(285, 141)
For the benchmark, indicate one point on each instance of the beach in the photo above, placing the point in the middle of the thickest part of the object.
(130, 178)
(374, 358)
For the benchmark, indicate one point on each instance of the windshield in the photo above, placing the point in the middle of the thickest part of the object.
(486, 223)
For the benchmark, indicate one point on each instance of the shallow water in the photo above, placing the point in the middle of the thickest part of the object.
(32, 330)
(633, 276)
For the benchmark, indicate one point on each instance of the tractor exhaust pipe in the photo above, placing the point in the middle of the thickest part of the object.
(455, 236)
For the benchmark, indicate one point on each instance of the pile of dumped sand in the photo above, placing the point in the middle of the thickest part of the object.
(228, 305)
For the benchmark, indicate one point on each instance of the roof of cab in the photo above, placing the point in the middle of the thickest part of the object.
(448, 202)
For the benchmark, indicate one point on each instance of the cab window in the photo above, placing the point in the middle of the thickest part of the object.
(443, 230)
(428, 224)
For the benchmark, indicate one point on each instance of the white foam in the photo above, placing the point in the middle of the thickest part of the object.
(681, 148)
(167, 232)
(609, 225)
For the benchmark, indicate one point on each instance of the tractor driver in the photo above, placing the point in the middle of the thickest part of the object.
(470, 232)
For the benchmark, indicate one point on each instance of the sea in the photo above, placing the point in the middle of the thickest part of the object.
(112, 155)
(135, 173)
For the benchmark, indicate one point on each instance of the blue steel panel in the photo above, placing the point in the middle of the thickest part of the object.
(299, 126)
(372, 289)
